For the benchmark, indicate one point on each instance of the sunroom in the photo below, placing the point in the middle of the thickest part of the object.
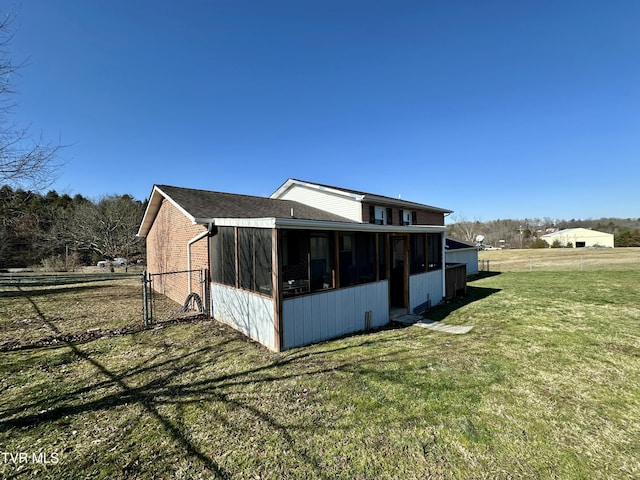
(291, 282)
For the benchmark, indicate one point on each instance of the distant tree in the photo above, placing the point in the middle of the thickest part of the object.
(107, 227)
(627, 238)
(24, 161)
(556, 244)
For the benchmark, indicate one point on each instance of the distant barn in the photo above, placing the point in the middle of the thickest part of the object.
(579, 238)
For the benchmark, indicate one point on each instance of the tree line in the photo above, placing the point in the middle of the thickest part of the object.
(63, 232)
(526, 233)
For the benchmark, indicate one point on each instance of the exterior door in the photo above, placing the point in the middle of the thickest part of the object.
(398, 272)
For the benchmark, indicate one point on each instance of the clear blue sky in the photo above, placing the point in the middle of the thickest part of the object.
(494, 109)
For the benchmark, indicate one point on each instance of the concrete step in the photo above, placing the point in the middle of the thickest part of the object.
(407, 319)
(396, 312)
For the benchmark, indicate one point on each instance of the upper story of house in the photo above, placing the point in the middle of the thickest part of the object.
(359, 206)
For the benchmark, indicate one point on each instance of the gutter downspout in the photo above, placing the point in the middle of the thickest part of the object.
(198, 237)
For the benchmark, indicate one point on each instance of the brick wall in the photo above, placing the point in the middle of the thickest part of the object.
(167, 243)
(425, 217)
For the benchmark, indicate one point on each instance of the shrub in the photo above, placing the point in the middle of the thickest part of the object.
(538, 243)
(55, 263)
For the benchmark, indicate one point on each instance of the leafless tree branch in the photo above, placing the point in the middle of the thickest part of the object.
(24, 161)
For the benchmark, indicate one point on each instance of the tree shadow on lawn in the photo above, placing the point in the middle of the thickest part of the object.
(39, 291)
(166, 388)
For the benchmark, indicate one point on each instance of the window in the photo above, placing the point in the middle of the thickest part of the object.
(417, 253)
(295, 256)
(378, 215)
(357, 258)
(382, 257)
(308, 262)
(223, 256)
(229, 256)
(408, 217)
(263, 261)
(321, 261)
(434, 251)
(255, 259)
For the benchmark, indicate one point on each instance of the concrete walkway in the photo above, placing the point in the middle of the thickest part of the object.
(443, 327)
(418, 321)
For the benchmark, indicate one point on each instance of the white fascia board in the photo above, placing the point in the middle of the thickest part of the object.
(153, 207)
(173, 202)
(314, 186)
(300, 224)
(268, 222)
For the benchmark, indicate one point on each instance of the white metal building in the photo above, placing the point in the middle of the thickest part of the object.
(580, 238)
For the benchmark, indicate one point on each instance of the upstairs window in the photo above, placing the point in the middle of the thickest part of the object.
(378, 215)
(408, 217)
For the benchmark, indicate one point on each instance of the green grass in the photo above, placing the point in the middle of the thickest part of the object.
(546, 385)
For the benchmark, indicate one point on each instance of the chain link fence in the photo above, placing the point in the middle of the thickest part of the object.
(175, 295)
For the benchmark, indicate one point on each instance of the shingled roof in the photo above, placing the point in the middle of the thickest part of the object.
(204, 205)
(208, 204)
(366, 196)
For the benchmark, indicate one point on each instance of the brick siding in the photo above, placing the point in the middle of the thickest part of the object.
(167, 243)
(425, 217)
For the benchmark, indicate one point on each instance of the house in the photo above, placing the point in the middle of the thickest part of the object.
(579, 238)
(309, 263)
(461, 252)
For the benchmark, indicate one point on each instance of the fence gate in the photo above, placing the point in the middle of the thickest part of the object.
(175, 295)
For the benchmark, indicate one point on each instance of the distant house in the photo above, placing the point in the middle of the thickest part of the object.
(579, 238)
(462, 252)
(310, 263)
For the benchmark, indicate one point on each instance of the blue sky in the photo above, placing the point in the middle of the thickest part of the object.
(493, 109)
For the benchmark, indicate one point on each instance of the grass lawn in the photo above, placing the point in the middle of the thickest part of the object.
(546, 385)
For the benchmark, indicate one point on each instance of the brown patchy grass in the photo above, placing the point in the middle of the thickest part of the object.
(562, 259)
(75, 307)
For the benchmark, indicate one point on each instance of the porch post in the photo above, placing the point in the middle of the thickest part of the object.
(276, 275)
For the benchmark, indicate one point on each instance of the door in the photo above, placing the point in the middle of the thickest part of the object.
(398, 272)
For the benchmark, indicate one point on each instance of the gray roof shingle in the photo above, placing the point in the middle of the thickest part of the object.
(203, 204)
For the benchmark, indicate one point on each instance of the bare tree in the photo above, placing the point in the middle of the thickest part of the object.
(107, 227)
(464, 229)
(24, 161)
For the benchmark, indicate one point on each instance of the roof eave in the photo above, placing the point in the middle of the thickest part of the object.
(399, 202)
(153, 207)
(305, 224)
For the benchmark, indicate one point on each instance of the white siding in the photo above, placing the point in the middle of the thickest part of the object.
(245, 311)
(342, 205)
(469, 256)
(321, 316)
(591, 238)
(425, 286)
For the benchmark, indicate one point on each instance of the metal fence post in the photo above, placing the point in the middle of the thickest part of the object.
(145, 303)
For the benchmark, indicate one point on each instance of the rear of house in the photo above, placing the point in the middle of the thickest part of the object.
(287, 273)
